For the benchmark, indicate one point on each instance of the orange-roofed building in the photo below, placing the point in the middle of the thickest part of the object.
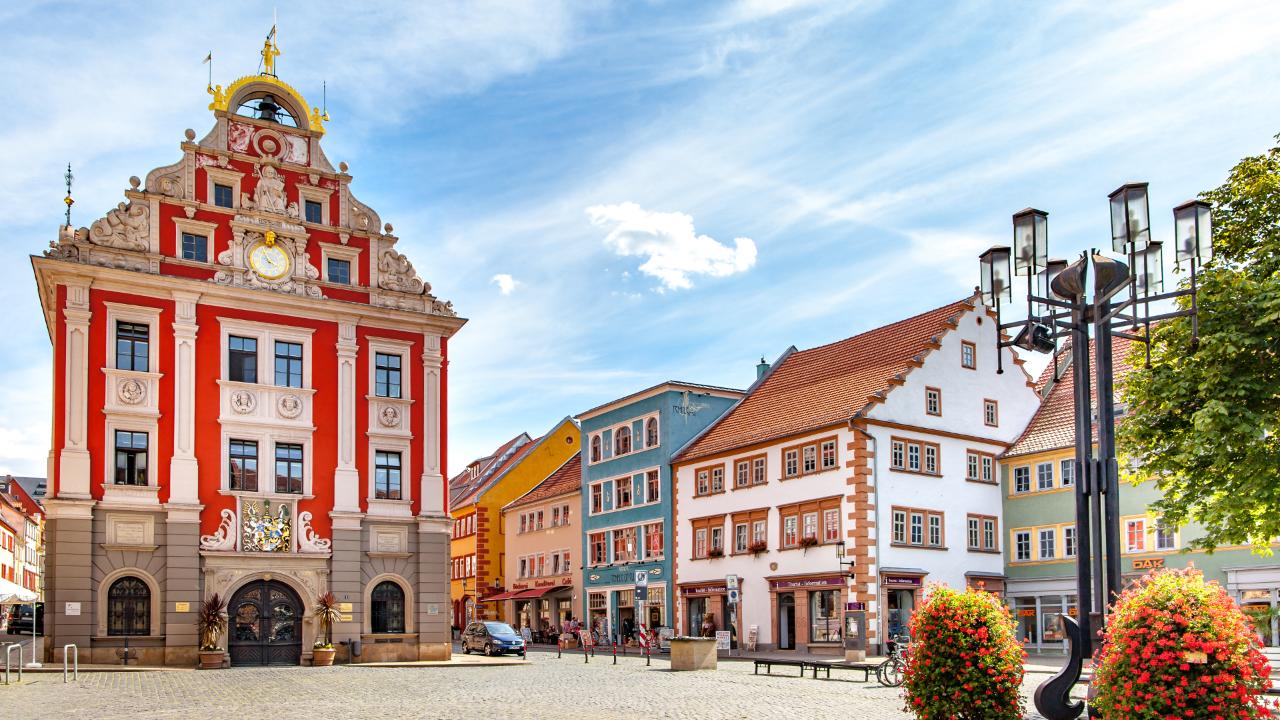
(476, 498)
(883, 443)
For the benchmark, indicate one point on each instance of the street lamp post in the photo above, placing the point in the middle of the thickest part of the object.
(1059, 306)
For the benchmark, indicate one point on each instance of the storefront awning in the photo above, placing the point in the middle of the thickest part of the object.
(537, 592)
(510, 594)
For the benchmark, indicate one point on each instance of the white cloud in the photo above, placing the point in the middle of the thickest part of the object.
(674, 250)
(506, 284)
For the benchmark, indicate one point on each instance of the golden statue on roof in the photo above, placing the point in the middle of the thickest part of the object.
(270, 51)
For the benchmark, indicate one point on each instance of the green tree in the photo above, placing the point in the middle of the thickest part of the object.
(1203, 419)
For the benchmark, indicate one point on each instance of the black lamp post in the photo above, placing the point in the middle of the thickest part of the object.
(1059, 306)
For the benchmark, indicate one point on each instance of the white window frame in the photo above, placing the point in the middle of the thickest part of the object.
(340, 252)
(1013, 479)
(222, 176)
(182, 225)
(1052, 535)
(1069, 548)
(266, 334)
(267, 438)
(1018, 537)
(390, 346)
(382, 506)
(1068, 479)
(141, 315)
(315, 194)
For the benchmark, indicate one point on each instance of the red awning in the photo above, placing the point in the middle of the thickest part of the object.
(501, 596)
(537, 592)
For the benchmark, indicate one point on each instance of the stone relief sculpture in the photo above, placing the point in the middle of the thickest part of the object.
(396, 273)
(268, 195)
(124, 228)
(225, 537)
(131, 391)
(308, 541)
(167, 180)
(264, 532)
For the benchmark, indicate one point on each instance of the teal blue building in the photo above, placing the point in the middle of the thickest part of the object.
(627, 500)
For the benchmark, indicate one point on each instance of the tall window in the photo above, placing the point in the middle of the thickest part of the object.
(1166, 539)
(195, 247)
(935, 530)
(387, 611)
(758, 530)
(131, 458)
(622, 491)
(810, 525)
(222, 195)
(386, 375)
(702, 482)
(288, 364)
(622, 440)
(595, 448)
(931, 459)
(242, 464)
(700, 543)
(1044, 476)
(790, 531)
(975, 533)
(791, 462)
(758, 467)
(824, 617)
(899, 526)
(990, 413)
(651, 432)
(1136, 535)
(653, 541)
(828, 454)
(288, 468)
(338, 271)
(133, 346)
(717, 538)
(1069, 541)
(597, 498)
(717, 479)
(242, 359)
(968, 355)
(1048, 544)
(989, 534)
(1022, 479)
(1022, 545)
(932, 401)
(831, 525)
(973, 465)
(810, 455)
(1067, 471)
(386, 475)
(741, 535)
(129, 607)
(741, 473)
(312, 210)
(652, 487)
(599, 548)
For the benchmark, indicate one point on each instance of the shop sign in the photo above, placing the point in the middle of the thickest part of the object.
(806, 583)
(855, 606)
(704, 590)
(1027, 612)
(912, 581)
(1148, 564)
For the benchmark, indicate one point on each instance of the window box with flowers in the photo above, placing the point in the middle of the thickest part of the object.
(715, 553)
(758, 547)
(808, 541)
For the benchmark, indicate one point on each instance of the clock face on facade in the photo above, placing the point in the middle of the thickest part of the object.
(271, 262)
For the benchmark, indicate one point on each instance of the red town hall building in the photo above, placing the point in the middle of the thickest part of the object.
(249, 400)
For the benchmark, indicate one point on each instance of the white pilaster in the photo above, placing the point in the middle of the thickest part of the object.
(184, 471)
(432, 485)
(73, 459)
(346, 478)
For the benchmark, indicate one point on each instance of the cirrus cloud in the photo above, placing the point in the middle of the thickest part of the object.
(674, 250)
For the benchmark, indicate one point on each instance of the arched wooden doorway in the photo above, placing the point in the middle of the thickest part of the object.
(266, 625)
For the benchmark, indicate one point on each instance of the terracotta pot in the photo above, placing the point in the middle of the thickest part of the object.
(322, 657)
(210, 659)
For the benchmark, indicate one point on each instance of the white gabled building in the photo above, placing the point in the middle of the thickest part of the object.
(885, 442)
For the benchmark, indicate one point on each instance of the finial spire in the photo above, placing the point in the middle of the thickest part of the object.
(69, 202)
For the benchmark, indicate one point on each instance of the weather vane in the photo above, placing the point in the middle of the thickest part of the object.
(69, 177)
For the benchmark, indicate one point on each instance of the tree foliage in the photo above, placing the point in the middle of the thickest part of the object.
(1203, 419)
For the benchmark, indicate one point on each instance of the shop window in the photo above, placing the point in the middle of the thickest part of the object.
(1022, 479)
(133, 344)
(289, 468)
(968, 355)
(288, 364)
(387, 608)
(131, 458)
(242, 359)
(129, 607)
(338, 271)
(1044, 476)
(242, 464)
(386, 475)
(195, 247)
(932, 401)
(386, 375)
(824, 620)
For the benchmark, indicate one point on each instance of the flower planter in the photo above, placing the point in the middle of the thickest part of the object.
(211, 659)
(322, 657)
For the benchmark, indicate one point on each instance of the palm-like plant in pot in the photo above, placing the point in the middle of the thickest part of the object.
(211, 623)
(326, 614)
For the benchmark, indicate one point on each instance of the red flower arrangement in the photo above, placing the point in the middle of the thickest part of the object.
(965, 662)
(1177, 646)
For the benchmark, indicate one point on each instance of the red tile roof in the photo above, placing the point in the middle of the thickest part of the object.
(1054, 427)
(566, 480)
(823, 386)
(464, 486)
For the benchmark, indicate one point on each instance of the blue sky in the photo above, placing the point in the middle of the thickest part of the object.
(621, 193)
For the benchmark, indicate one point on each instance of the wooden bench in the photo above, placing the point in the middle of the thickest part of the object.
(768, 665)
(827, 667)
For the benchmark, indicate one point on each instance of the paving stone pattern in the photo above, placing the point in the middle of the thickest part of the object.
(545, 687)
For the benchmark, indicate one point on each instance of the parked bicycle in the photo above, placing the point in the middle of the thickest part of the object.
(892, 672)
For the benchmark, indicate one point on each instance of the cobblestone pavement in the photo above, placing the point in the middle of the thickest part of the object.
(545, 687)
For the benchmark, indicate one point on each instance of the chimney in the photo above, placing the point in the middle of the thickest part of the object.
(762, 368)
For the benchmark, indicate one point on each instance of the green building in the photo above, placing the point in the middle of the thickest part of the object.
(1038, 483)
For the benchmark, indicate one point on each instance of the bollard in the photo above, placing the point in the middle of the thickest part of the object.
(75, 651)
(614, 645)
(559, 647)
(647, 655)
(586, 658)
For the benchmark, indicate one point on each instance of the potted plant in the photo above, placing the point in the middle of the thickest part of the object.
(808, 542)
(758, 547)
(211, 622)
(326, 614)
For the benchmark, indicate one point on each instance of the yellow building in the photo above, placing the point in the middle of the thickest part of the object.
(476, 498)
